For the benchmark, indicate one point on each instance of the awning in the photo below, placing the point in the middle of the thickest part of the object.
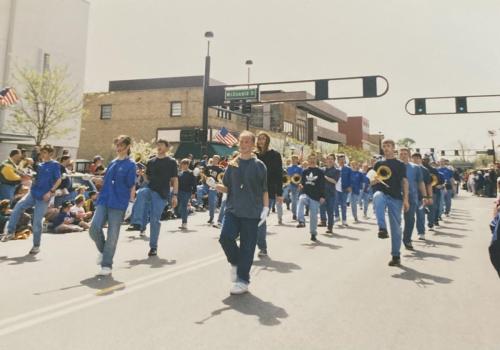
(186, 148)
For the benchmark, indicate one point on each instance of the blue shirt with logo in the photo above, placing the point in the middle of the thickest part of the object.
(294, 169)
(47, 174)
(118, 182)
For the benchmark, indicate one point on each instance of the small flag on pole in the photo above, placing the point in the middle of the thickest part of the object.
(8, 97)
(224, 136)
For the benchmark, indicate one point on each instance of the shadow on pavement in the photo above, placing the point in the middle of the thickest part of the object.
(105, 284)
(420, 278)
(421, 255)
(336, 235)
(18, 260)
(153, 261)
(248, 304)
(431, 243)
(313, 245)
(138, 238)
(455, 228)
(356, 228)
(276, 266)
(441, 233)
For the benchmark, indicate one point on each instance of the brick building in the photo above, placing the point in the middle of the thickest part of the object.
(147, 109)
(357, 131)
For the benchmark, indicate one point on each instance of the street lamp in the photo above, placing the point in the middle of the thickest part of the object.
(492, 134)
(206, 82)
(248, 63)
(380, 143)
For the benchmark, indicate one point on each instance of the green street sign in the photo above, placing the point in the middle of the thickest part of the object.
(242, 94)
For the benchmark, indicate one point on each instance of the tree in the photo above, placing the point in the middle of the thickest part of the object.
(47, 103)
(355, 153)
(406, 142)
(462, 146)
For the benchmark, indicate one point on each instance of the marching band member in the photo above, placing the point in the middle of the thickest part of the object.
(312, 195)
(332, 175)
(274, 165)
(222, 209)
(245, 177)
(416, 189)
(433, 214)
(448, 189)
(356, 185)
(392, 195)
(187, 190)
(426, 177)
(292, 170)
(343, 188)
(212, 170)
(366, 191)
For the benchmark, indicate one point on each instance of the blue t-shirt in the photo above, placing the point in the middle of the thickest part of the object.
(59, 220)
(446, 173)
(294, 169)
(47, 174)
(414, 176)
(356, 181)
(118, 182)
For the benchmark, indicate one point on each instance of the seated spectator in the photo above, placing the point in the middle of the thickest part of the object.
(78, 212)
(97, 167)
(89, 204)
(23, 228)
(64, 222)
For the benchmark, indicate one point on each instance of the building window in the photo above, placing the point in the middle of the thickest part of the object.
(301, 130)
(288, 127)
(176, 109)
(105, 111)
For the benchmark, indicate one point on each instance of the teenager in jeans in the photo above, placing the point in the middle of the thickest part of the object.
(332, 175)
(356, 185)
(245, 177)
(47, 180)
(392, 196)
(162, 173)
(113, 200)
(343, 188)
(312, 195)
(187, 190)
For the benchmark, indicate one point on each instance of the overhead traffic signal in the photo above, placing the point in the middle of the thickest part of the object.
(461, 104)
(420, 107)
(246, 108)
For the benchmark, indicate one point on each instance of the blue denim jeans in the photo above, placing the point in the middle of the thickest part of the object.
(201, 190)
(183, 205)
(322, 212)
(140, 214)
(342, 202)
(313, 212)
(106, 246)
(365, 199)
(279, 207)
(329, 205)
(241, 256)
(354, 205)
(394, 206)
(212, 203)
(447, 201)
(294, 193)
(436, 206)
(221, 211)
(7, 191)
(421, 220)
(28, 201)
(286, 194)
(441, 203)
(155, 205)
(410, 220)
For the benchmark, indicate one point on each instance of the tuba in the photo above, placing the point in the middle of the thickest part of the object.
(384, 173)
(296, 179)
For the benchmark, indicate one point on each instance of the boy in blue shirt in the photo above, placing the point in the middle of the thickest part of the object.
(48, 179)
(113, 200)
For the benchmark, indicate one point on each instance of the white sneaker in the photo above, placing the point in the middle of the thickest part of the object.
(99, 259)
(421, 237)
(105, 271)
(7, 237)
(183, 227)
(239, 288)
(234, 273)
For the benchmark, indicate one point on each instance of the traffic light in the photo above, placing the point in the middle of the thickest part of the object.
(420, 107)
(417, 150)
(246, 108)
(197, 137)
(490, 152)
(432, 150)
(461, 104)
(234, 106)
(442, 153)
(456, 152)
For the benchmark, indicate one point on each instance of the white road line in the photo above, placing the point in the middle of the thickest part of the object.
(15, 323)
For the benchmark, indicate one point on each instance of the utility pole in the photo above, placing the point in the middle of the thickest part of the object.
(206, 83)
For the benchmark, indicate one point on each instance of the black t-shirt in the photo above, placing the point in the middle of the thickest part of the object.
(313, 182)
(274, 164)
(395, 182)
(213, 171)
(159, 172)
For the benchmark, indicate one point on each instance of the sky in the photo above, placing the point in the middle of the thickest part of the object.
(423, 47)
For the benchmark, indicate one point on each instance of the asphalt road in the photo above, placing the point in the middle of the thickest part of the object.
(337, 294)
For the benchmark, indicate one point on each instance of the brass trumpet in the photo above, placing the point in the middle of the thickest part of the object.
(296, 179)
(384, 173)
(220, 177)
(434, 180)
(285, 180)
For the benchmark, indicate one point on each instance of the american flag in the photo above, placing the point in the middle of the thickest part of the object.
(224, 136)
(8, 97)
